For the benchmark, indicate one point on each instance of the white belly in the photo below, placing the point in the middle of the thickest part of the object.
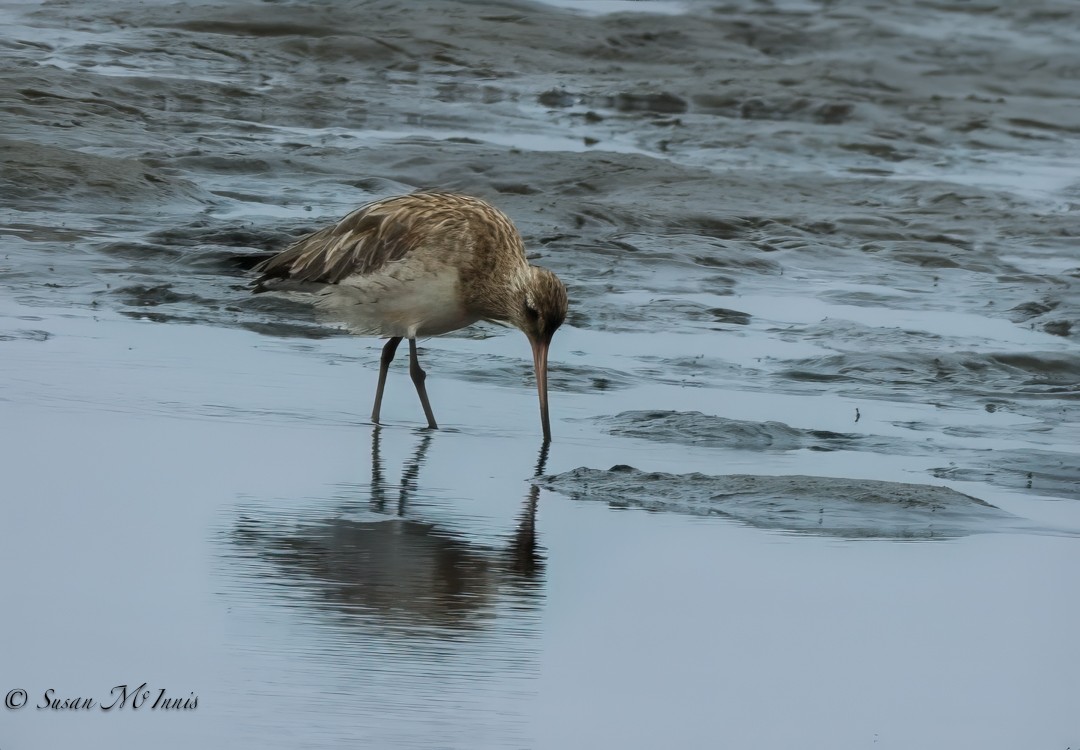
(399, 300)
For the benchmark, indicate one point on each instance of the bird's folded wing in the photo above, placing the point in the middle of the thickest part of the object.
(360, 244)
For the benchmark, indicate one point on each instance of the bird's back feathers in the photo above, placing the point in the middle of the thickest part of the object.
(378, 233)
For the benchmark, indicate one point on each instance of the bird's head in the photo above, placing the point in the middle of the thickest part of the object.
(542, 305)
(540, 311)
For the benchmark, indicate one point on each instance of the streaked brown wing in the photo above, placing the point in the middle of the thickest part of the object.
(361, 243)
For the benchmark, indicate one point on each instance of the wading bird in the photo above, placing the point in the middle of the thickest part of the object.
(421, 265)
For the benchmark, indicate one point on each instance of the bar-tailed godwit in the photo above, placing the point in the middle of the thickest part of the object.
(421, 265)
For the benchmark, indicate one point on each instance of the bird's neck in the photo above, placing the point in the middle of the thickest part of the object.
(500, 297)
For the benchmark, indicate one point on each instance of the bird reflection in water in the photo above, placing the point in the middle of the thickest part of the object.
(374, 560)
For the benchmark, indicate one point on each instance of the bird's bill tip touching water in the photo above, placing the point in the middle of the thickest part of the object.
(540, 365)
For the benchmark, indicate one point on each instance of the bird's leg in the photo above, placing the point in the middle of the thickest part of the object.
(384, 366)
(418, 376)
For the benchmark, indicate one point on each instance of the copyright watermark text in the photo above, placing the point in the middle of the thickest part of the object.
(131, 697)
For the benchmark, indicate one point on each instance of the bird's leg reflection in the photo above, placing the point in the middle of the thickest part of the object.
(378, 492)
(541, 460)
(522, 556)
(409, 473)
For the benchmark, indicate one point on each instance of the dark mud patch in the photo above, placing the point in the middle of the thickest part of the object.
(200, 273)
(195, 299)
(1036, 471)
(696, 371)
(624, 315)
(1057, 311)
(916, 374)
(695, 428)
(699, 249)
(836, 333)
(140, 295)
(25, 334)
(563, 377)
(830, 506)
(35, 176)
(657, 103)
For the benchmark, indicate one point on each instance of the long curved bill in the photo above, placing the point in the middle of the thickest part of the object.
(540, 358)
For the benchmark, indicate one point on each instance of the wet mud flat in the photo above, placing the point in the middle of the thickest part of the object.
(846, 508)
(904, 232)
(825, 296)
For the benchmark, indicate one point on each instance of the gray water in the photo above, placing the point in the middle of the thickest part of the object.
(814, 476)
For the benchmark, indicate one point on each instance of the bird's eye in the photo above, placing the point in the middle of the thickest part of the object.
(531, 313)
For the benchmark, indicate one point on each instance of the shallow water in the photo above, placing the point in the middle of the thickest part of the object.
(814, 406)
